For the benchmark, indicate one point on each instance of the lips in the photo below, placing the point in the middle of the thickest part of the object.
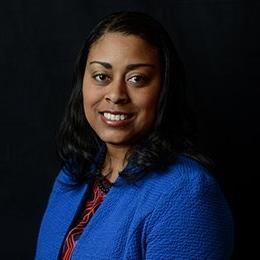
(116, 118)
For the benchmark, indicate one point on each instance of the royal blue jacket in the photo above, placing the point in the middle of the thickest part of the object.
(178, 214)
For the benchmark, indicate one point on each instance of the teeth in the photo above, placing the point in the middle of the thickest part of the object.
(113, 117)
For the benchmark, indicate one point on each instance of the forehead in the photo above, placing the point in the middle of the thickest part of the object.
(119, 46)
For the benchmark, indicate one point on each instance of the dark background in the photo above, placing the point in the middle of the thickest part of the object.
(39, 40)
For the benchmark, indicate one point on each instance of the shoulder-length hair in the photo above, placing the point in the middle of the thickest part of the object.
(77, 143)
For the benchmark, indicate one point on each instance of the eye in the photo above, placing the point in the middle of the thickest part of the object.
(137, 80)
(101, 77)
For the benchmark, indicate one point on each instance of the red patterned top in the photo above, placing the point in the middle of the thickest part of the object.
(99, 190)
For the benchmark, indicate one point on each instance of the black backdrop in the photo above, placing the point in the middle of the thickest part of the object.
(39, 40)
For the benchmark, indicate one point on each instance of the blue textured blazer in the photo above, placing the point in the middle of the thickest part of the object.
(178, 214)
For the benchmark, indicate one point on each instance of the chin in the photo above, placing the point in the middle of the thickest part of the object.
(117, 140)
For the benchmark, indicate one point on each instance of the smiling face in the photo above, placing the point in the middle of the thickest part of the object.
(121, 88)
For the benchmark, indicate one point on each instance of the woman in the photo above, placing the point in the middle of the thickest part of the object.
(132, 185)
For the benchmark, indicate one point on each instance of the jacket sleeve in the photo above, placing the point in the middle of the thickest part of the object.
(194, 222)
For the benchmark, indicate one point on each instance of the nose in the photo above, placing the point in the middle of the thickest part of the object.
(117, 93)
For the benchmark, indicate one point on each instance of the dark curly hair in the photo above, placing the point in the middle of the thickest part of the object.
(80, 149)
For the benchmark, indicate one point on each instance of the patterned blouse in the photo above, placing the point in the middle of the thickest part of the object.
(97, 195)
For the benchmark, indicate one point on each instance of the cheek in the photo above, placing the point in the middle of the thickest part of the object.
(88, 94)
(151, 98)
(87, 102)
(148, 106)
(91, 101)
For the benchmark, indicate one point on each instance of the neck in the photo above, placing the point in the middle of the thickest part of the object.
(116, 160)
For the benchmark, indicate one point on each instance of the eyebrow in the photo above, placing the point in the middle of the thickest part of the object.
(130, 66)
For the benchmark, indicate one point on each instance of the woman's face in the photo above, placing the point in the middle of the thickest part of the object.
(121, 88)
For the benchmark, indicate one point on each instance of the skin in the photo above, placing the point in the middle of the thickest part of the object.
(112, 83)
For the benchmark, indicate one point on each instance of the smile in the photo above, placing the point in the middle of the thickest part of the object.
(116, 119)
